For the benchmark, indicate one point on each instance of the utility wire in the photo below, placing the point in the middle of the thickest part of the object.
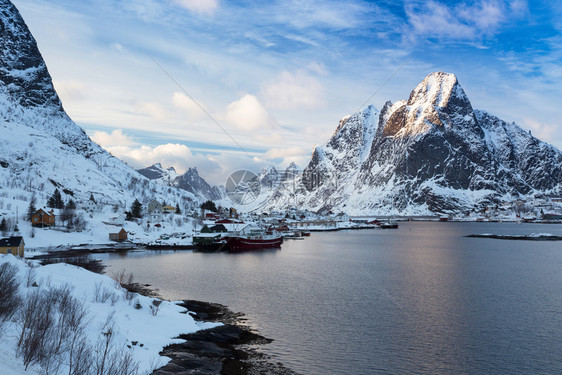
(201, 107)
(384, 84)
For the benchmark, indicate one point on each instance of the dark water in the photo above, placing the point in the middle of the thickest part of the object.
(422, 299)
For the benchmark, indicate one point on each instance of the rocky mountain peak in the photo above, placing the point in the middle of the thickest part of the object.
(430, 153)
(436, 88)
(23, 73)
(437, 102)
(27, 94)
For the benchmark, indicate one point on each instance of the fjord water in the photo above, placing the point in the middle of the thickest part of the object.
(422, 299)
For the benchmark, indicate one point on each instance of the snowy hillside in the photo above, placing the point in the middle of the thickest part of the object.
(42, 149)
(429, 154)
(85, 312)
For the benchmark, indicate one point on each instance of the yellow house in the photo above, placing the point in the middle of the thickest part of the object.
(12, 245)
(169, 209)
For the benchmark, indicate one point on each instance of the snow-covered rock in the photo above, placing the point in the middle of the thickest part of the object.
(189, 181)
(431, 153)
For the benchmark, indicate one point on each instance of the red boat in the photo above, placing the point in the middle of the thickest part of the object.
(253, 242)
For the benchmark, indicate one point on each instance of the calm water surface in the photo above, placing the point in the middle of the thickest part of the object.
(422, 299)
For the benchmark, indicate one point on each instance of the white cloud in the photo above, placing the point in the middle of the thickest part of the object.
(247, 113)
(438, 20)
(276, 153)
(70, 90)
(294, 91)
(270, 138)
(289, 155)
(187, 105)
(462, 21)
(199, 6)
(542, 131)
(115, 138)
(155, 110)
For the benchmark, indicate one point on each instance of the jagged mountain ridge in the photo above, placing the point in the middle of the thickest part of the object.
(189, 181)
(41, 147)
(430, 153)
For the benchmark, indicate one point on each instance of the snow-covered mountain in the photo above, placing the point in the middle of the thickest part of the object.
(430, 153)
(41, 148)
(189, 181)
(159, 174)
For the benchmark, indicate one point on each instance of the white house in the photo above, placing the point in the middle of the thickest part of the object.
(90, 206)
(155, 210)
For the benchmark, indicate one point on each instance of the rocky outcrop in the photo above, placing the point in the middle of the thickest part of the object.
(430, 153)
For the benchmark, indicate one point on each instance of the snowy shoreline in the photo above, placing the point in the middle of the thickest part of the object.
(140, 326)
(522, 237)
(163, 337)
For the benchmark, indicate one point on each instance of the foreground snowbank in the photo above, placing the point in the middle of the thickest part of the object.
(139, 330)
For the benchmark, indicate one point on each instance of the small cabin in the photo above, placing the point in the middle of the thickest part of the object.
(119, 236)
(169, 209)
(42, 218)
(12, 245)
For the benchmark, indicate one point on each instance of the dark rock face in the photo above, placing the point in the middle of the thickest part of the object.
(192, 182)
(431, 153)
(189, 181)
(27, 94)
(153, 172)
(22, 69)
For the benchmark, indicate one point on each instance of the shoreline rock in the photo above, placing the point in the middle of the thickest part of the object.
(230, 349)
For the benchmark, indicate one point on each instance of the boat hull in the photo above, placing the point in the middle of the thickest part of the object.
(237, 244)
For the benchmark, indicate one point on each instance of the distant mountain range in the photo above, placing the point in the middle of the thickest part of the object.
(432, 153)
(189, 181)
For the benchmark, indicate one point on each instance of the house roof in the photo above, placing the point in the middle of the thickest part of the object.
(11, 241)
(43, 211)
(218, 228)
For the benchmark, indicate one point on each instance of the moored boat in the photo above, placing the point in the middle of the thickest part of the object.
(253, 242)
(388, 225)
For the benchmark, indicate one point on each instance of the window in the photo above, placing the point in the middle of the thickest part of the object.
(35, 219)
(9, 251)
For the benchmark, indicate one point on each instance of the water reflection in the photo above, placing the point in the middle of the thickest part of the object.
(421, 299)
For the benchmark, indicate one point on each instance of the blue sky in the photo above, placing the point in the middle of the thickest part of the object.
(279, 75)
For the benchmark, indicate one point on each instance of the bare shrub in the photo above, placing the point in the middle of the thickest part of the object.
(9, 291)
(103, 294)
(81, 357)
(125, 281)
(30, 277)
(110, 358)
(36, 321)
(122, 279)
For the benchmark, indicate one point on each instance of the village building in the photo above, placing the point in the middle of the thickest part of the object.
(12, 245)
(219, 228)
(154, 205)
(119, 236)
(42, 218)
(155, 211)
(90, 206)
(169, 209)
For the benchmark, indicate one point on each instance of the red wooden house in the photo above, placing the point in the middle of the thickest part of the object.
(42, 218)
